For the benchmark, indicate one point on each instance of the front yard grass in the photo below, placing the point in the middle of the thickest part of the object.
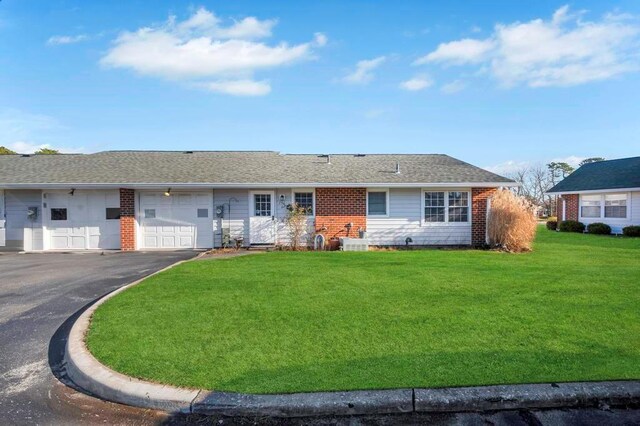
(288, 322)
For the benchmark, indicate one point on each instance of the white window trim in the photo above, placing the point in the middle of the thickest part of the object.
(602, 206)
(446, 207)
(388, 207)
(307, 190)
(252, 206)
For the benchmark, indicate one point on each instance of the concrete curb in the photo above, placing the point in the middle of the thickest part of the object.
(89, 374)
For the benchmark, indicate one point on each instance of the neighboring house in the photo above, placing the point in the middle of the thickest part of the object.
(139, 200)
(606, 191)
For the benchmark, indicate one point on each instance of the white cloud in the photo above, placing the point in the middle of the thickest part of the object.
(19, 130)
(65, 39)
(419, 82)
(363, 73)
(453, 87)
(509, 167)
(200, 47)
(562, 51)
(320, 39)
(459, 52)
(239, 87)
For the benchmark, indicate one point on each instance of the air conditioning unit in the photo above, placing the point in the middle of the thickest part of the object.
(354, 244)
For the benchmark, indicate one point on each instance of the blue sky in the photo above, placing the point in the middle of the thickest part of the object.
(500, 86)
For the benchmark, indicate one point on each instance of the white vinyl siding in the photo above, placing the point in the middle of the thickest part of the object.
(405, 219)
(239, 222)
(21, 232)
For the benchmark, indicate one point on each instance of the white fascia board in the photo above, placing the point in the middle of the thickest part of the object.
(256, 185)
(594, 191)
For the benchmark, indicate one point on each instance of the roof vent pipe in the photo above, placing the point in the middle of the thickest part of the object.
(397, 167)
(328, 158)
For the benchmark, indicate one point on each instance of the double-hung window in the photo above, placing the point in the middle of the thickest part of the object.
(304, 200)
(434, 210)
(377, 203)
(615, 206)
(458, 206)
(446, 206)
(590, 206)
(611, 206)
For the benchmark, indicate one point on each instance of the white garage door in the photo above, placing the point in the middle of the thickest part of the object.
(180, 221)
(82, 220)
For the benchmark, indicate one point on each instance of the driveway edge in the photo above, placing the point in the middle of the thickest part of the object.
(84, 370)
(89, 374)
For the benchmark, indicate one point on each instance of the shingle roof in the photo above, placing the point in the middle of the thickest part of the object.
(237, 167)
(612, 174)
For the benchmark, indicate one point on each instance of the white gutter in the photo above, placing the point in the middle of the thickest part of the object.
(255, 185)
(595, 191)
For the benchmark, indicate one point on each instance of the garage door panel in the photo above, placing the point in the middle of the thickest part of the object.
(86, 225)
(177, 224)
(151, 242)
(78, 242)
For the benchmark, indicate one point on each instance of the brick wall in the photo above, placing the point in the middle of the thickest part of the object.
(127, 220)
(479, 198)
(337, 207)
(570, 205)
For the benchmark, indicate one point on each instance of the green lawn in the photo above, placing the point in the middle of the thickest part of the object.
(286, 322)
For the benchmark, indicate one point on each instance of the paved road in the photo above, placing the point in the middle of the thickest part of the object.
(42, 294)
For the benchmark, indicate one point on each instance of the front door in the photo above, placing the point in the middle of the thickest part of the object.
(262, 224)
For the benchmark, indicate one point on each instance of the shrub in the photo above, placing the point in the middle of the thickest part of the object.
(598, 228)
(552, 225)
(512, 222)
(571, 226)
(297, 225)
(631, 231)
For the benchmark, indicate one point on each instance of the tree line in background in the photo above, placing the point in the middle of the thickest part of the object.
(42, 151)
(537, 180)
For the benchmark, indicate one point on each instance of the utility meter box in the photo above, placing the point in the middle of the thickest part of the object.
(32, 213)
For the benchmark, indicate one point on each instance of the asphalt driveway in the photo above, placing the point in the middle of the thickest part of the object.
(40, 296)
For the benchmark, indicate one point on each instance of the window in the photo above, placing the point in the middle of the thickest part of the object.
(113, 213)
(446, 206)
(434, 207)
(203, 213)
(149, 213)
(590, 206)
(262, 204)
(304, 200)
(58, 214)
(377, 203)
(458, 207)
(615, 206)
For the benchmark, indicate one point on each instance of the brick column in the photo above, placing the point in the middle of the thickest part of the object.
(127, 220)
(337, 207)
(570, 205)
(479, 198)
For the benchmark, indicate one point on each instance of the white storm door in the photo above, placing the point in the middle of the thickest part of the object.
(262, 224)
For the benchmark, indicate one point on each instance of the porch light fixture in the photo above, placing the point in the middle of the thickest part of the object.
(73, 190)
(282, 200)
(167, 193)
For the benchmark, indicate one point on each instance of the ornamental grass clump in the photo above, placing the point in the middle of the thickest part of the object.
(512, 223)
